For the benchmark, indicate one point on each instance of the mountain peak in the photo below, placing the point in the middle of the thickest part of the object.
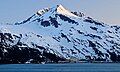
(57, 34)
(59, 9)
(62, 10)
(60, 6)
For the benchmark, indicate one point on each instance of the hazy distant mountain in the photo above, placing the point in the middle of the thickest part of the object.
(56, 34)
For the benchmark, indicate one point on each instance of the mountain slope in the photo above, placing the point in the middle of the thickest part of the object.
(56, 34)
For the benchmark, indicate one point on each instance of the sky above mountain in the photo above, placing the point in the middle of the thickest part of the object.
(102, 10)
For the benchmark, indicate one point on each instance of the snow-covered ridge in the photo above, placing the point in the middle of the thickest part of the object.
(40, 12)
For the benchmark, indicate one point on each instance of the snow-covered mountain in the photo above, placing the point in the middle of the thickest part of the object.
(57, 34)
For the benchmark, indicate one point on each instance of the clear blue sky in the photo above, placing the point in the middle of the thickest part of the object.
(107, 11)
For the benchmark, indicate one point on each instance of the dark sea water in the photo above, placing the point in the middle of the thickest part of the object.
(78, 67)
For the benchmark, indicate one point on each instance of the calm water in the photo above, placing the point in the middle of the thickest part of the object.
(82, 67)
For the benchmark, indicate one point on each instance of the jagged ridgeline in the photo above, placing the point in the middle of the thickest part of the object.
(57, 34)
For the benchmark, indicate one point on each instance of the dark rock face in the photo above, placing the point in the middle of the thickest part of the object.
(21, 55)
(80, 14)
(94, 28)
(64, 36)
(17, 54)
(45, 23)
(54, 22)
(66, 18)
(114, 57)
(90, 20)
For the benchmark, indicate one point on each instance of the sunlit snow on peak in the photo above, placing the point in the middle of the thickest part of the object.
(62, 10)
(59, 9)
